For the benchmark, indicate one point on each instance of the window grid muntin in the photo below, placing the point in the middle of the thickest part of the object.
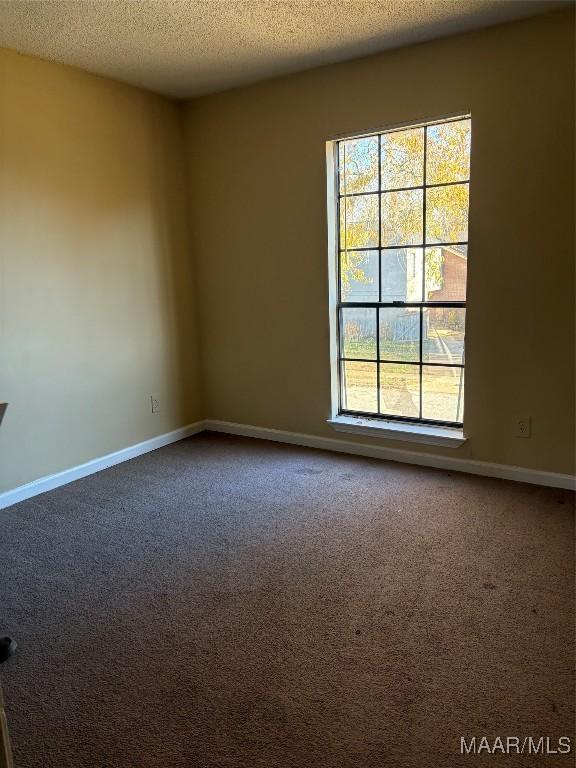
(380, 304)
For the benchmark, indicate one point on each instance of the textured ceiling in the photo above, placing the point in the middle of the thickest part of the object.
(185, 48)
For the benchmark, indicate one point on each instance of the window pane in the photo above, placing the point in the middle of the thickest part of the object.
(400, 333)
(443, 335)
(402, 274)
(400, 390)
(442, 393)
(358, 165)
(447, 214)
(446, 273)
(359, 333)
(359, 275)
(359, 391)
(403, 207)
(403, 158)
(402, 217)
(359, 222)
(448, 152)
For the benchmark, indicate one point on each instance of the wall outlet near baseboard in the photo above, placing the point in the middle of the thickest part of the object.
(523, 426)
(155, 403)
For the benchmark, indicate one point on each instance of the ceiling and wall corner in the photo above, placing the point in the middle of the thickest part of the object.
(183, 49)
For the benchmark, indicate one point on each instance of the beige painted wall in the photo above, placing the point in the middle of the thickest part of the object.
(257, 165)
(99, 252)
(96, 293)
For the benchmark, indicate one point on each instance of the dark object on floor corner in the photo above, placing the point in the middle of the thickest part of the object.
(7, 648)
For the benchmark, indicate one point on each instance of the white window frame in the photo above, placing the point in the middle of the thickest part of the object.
(438, 435)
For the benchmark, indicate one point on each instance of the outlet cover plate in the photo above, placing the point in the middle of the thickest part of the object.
(523, 426)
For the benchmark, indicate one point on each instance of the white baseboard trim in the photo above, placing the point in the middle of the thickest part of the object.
(49, 482)
(470, 466)
(503, 471)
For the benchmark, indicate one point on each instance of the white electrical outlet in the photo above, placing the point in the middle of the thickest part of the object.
(523, 426)
(155, 403)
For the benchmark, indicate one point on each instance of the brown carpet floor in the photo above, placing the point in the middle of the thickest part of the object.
(233, 603)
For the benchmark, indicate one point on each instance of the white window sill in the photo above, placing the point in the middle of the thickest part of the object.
(449, 437)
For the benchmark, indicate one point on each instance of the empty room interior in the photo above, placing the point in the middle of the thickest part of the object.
(287, 383)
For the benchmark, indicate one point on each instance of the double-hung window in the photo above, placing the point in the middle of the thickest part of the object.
(402, 247)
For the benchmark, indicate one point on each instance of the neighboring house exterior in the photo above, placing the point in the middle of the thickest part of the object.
(402, 275)
(402, 281)
(453, 288)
